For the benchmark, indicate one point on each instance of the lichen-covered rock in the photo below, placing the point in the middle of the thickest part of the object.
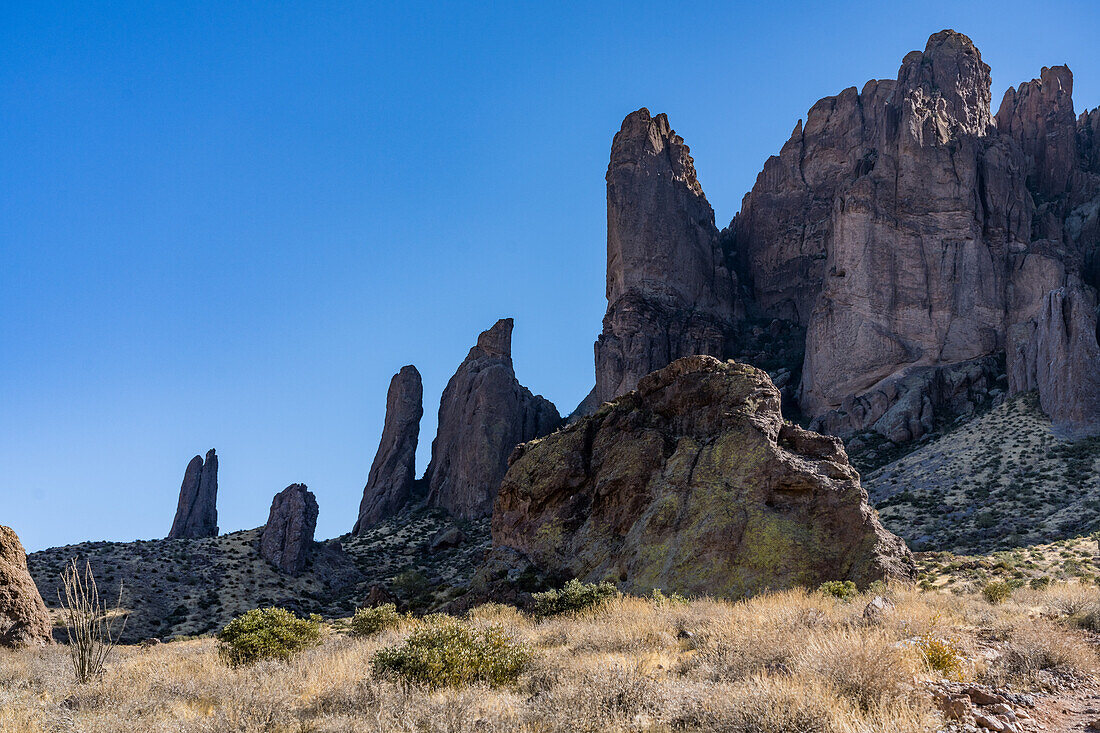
(24, 620)
(197, 512)
(390, 482)
(669, 292)
(693, 483)
(287, 538)
(483, 414)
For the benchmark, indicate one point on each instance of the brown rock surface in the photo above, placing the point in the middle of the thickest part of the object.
(24, 620)
(693, 483)
(390, 482)
(669, 291)
(197, 512)
(483, 414)
(287, 538)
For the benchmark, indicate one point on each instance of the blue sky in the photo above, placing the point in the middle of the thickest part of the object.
(228, 224)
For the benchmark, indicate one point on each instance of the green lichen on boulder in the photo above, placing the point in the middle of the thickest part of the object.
(694, 484)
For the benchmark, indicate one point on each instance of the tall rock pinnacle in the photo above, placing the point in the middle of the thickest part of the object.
(669, 292)
(390, 482)
(197, 512)
(483, 414)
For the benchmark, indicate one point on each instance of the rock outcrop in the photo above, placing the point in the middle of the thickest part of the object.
(287, 538)
(693, 483)
(916, 237)
(390, 482)
(483, 414)
(197, 512)
(24, 620)
(669, 291)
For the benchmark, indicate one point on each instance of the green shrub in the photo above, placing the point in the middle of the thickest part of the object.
(574, 596)
(449, 653)
(672, 599)
(941, 655)
(267, 633)
(844, 590)
(371, 621)
(997, 591)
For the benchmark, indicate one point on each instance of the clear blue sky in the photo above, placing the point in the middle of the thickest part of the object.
(228, 224)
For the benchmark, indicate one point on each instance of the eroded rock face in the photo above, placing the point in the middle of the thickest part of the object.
(483, 414)
(287, 538)
(669, 291)
(693, 483)
(197, 512)
(390, 482)
(1058, 355)
(24, 620)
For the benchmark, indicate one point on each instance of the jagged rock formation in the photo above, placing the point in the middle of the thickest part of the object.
(390, 482)
(287, 538)
(24, 620)
(913, 236)
(669, 291)
(197, 512)
(483, 414)
(693, 483)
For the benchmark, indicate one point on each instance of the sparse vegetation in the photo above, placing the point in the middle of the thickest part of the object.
(843, 590)
(449, 653)
(574, 596)
(91, 628)
(370, 621)
(267, 633)
(996, 591)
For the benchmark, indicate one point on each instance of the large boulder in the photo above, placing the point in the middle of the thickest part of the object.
(24, 620)
(197, 511)
(390, 482)
(669, 291)
(287, 538)
(483, 414)
(694, 483)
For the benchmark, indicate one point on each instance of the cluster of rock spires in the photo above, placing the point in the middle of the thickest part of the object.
(915, 237)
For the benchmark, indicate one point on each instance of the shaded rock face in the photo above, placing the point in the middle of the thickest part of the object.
(197, 512)
(911, 233)
(1058, 356)
(669, 291)
(390, 482)
(483, 414)
(287, 538)
(693, 483)
(24, 620)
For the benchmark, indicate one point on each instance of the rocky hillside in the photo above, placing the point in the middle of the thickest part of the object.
(189, 587)
(1000, 480)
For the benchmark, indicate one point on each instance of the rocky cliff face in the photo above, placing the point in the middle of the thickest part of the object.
(913, 236)
(669, 291)
(287, 538)
(483, 414)
(197, 512)
(390, 482)
(24, 620)
(693, 483)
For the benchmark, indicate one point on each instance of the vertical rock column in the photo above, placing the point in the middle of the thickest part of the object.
(197, 512)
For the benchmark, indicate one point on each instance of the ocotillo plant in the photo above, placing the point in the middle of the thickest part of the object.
(90, 625)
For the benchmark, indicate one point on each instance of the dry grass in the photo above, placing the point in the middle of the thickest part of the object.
(779, 662)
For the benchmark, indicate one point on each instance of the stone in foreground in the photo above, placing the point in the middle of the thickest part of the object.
(693, 483)
(287, 539)
(197, 512)
(24, 620)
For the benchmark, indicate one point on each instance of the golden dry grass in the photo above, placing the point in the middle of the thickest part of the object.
(778, 662)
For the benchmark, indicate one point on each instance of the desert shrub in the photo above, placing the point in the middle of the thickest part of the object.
(844, 590)
(867, 669)
(371, 621)
(996, 591)
(574, 596)
(660, 599)
(448, 653)
(941, 655)
(267, 633)
(1039, 583)
(1038, 647)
